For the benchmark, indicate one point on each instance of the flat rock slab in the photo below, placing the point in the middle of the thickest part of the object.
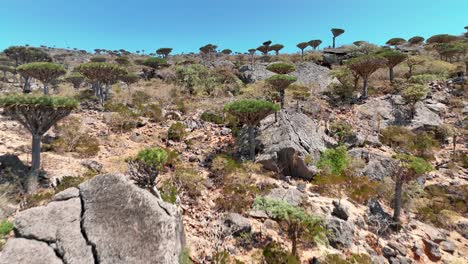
(57, 222)
(106, 220)
(128, 224)
(26, 251)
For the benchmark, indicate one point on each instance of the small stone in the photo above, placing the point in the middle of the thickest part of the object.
(388, 252)
(340, 211)
(66, 194)
(270, 224)
(398, 247)
(432, 250)
(447, 246)
(92, 165)
(237, 224)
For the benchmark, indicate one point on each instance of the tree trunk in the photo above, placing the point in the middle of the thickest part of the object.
(46, 89)
(302, 54)
(392, 75)
(364, 89)
(397, 202)
(101, 94)
(334, 41)
(282, 98)
(252, 142)
(27, 84)
(32, 181)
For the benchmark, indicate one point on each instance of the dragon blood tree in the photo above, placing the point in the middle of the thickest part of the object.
(250, 112)
(37, 114)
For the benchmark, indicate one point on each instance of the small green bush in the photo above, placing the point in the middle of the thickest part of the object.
(353, 259)
(273, 253)
(176, 132)
(153, 157)
(223, 165)
(68, 182)
(152, 111)
(5, 228)
(334, 160)
(238, 193)
(169, 192)
(341, 130)
(72, 139)
(425, 78)
(212, 117)
(188, 181)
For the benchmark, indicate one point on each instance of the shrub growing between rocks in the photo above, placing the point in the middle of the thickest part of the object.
(176, 132)
(72, 139)
(145, 167)
(294, 221)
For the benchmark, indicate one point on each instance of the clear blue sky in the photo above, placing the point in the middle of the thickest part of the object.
(238, 25)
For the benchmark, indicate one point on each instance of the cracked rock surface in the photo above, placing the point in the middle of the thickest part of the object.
(21, 250)
(106, 220)
(283, 144)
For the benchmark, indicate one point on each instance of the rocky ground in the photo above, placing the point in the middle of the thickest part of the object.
(86, 224)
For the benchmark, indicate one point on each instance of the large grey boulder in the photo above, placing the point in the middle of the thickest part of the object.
(307, 73)
(376, 164)
(59, 223)
(340, 233)
(27, 251)
(127, 224)
(106, 220)
(283, 145)
(290, 195)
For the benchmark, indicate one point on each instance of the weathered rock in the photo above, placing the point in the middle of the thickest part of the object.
(26, 251)
(388, 252)
(290, 195)
(67, 194)
(59, 223)
(127, 224)
(417, 250)
(447, 246)
(462, 228)
(340, 211)
(432, 250)
(237, 224)
(341, 233)
(398, 248)
(307, 73)
(425, 118)
(284, 144)
(92, 165)
(377, 165)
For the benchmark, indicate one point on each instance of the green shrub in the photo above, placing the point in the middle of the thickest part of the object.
(188, 181)
(273, 253)
(169, 192)
(68, 182)
(5, 228)
(212, 117)
(341, 130)
(352, 259)
(238, 192)
(425, 78)
(296, 222)
(72, 139)
(184, 257)
(176, 132)
(152, 111)
(334, 160)
(223, 165)
(153, 157)
(140, 98)
(414, 93)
